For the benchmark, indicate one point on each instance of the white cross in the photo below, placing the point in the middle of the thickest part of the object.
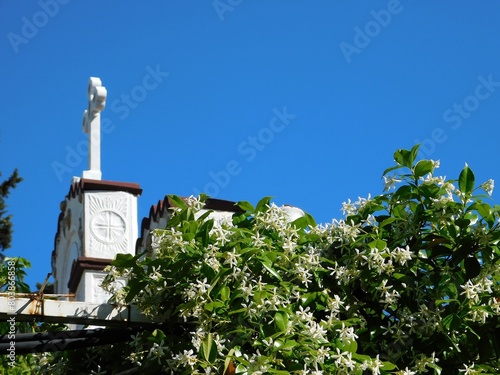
(92, 126)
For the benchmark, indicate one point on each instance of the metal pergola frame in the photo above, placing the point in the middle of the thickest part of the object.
(120, 322)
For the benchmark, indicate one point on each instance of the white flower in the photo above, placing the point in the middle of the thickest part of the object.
(494, 303)
(247, 290)
(187, 358)
(275, 218)
(194, 202)
(374, 365)
(158, 351)
(406, 371)
(275, 301)
(470, 291)
(155, 275)
(157, 237)
(305, 314)
(197, 290)
(197, 337)
(390, 182)
(335, 303)
(304, 275)
(391, 297)
(348, 208)
(220, 233)
(371, 221)
(322, 354)
(402, 255)
(477, 315)
(136, 341)
(347, 334)
(211, 260)
(344, 360)
(423, 361)
(383, 287)
(316, 332)
(135, 358)
(258, 240)
(232, 258)
(435, 163)
(469, 370)
(488, 186)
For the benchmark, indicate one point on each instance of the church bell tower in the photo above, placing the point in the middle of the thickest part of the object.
(98, 218)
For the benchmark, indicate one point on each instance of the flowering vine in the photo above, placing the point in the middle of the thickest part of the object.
(406, 283)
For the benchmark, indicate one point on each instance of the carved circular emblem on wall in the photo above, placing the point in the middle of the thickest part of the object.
(108, 226)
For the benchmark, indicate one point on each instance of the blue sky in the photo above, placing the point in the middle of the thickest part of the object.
(305, 101)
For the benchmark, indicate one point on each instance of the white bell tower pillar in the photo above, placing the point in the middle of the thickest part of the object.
(96, 94)
(98, 218)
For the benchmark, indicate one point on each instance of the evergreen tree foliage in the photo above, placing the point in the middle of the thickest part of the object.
(5, 220)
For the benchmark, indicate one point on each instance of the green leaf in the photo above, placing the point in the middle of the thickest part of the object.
(439, 251)
(388, 366)
(158, 334)
(437, 369)
(211, 306)
(462, 223)
(466, 180)
(472, 267)
(445, 301)
(208, 349)
(486, 212)
(413, 153)
(451, 322)
(304, 222)
(406, 157)
(135, 288)
(245, 206)
(391, 169)
(403, 278)
(398, 211)
(240, 220)
(307, 298)
(174, 221)
(289, 345)
(204, 232)
(403, 193)
(452, 230)
(177, 201)
(430, 191)
(271, 270)
(378, 243)
(281, 320)
(204, 216)
(351, 346)
(486, 348)
(224, 293)
(124, 260)
(263, 204)
(462, 252)
(401, 157)
(387, 221)
(422, 168)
